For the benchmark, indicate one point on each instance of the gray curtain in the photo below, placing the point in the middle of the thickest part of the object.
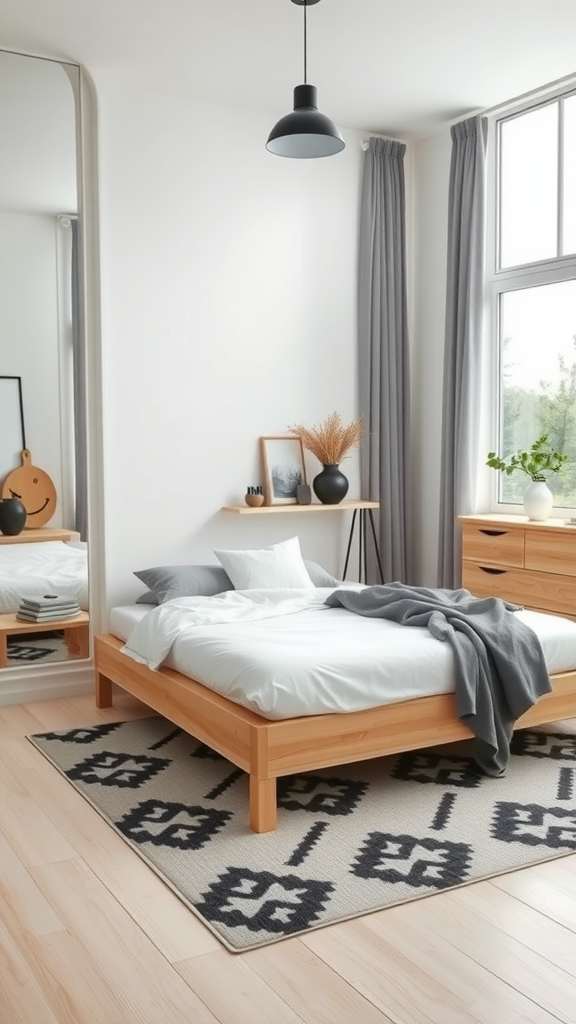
(79, 378)
(463, 341)
(383, 358)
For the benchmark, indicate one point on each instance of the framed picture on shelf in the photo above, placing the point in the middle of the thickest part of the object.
(12, 439)
(284, 471)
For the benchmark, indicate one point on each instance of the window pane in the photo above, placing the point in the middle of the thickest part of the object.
(569, 225)
(538, 382)
(529, 168)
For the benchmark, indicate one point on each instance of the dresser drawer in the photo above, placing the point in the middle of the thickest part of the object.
(551, 551)
(493, 545)
(545, 590)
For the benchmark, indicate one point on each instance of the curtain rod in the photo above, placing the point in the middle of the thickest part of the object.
(365, 143)
(542, 90)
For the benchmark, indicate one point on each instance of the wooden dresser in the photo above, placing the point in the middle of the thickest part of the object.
(526, 562)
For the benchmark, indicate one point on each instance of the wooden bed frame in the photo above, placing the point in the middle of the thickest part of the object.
(267, 749)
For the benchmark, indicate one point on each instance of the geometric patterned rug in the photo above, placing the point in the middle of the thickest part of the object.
(350, 840)
(27, 649)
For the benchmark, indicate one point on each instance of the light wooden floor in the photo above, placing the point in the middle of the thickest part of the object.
(90, 935)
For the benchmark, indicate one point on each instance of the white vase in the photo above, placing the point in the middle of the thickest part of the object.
(538, 500)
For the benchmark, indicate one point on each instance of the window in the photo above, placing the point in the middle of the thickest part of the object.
(532, 279)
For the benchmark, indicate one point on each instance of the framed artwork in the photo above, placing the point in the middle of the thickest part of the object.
(12, 437)
(283, 463)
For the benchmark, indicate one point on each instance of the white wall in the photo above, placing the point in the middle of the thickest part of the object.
(228, 312)
(431, 163)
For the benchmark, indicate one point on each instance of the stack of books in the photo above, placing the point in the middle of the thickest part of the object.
(47, 608)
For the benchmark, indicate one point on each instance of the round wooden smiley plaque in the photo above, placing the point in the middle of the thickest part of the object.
(34, 488)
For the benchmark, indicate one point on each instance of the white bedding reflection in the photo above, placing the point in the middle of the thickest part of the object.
(52, 567)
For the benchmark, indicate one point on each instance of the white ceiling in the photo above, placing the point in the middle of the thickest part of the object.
(400, 69)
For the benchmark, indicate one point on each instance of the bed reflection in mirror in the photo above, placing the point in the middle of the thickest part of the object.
(43, 348)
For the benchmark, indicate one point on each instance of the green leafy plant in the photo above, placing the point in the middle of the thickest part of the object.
(536, 461)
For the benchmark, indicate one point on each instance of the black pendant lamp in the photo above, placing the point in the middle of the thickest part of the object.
(305, 133)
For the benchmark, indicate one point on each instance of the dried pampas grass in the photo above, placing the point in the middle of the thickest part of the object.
(331, 441)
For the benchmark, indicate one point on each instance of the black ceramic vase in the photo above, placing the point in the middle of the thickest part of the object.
(330, 486)
(12, 516)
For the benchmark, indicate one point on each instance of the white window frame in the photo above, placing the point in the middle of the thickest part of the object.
(498, 281)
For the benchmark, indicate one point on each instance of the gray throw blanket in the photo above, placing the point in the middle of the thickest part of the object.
(499, 663)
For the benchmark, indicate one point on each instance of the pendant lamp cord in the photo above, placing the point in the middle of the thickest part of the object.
(305, 46)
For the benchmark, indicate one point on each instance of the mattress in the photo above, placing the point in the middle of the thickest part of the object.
(328, 661)
(49, 567)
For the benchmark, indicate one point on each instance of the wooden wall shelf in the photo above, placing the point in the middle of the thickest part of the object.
(35, 536)
(343, 506)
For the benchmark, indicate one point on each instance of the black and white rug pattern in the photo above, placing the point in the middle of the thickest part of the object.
(350, 840)
(30, 649)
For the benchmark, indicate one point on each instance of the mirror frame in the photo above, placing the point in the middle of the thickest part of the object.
(59, 679)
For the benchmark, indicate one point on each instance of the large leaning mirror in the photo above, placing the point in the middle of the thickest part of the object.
(42, 344)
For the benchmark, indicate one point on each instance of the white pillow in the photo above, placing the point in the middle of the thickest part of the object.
(280, 565)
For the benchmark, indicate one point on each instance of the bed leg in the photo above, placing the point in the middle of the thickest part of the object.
(102, 691)
(263, 810)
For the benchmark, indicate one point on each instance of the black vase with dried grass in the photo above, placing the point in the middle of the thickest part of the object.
(330, 442)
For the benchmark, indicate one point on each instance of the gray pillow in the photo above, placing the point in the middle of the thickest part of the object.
(169, 581)
(148, 597)
(319, 576)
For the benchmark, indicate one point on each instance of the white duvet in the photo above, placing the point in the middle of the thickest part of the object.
(49, 567)
(285, 654)
(151, 640)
